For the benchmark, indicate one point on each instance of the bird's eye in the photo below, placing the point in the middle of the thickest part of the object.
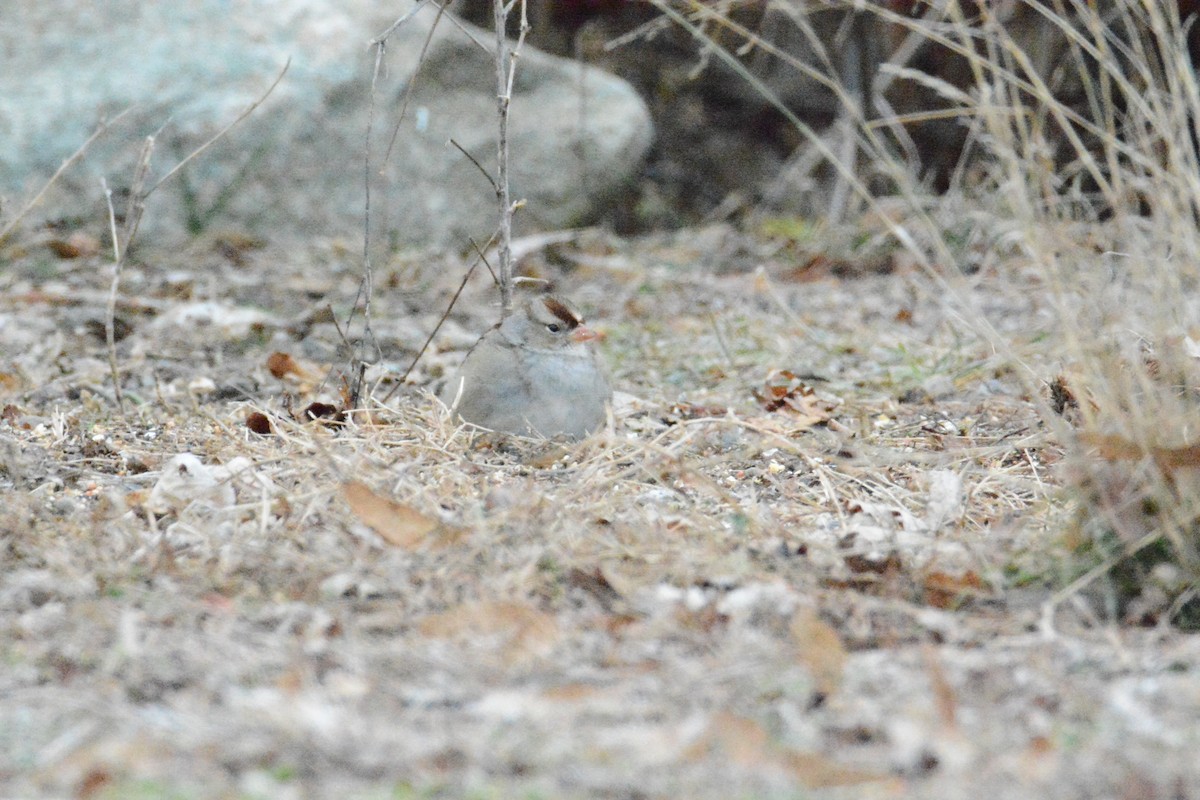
(554, 327)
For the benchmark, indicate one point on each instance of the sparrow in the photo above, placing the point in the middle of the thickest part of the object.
(534, 374)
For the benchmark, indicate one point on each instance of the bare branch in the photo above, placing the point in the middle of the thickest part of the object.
(506, 65)
(445, 314)
(101, 128)
(221, 133)
(383, 37)
(412, 82)
(366, 286)
(121, 243)
(473, 160)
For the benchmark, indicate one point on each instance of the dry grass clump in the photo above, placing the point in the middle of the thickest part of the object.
(1105, 194)
(1080, 170)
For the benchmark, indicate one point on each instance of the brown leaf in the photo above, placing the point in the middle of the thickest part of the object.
(945, 698)
(685, 411)
(234, 246)
(1112, 447)
(398, 524)
(946, 591)
(746, 743)
(519, 630)
(282, 365)
(783, 390)
(77, 245)
(1170, 459)
(93, 782)
(1061, 396)
(819, 648)
(571, 692)
(596, 584)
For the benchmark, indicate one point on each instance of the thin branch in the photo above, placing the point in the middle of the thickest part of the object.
(462, 285)
(470, 271)
(500, 18)
(133, 219)
(506, 68)
(412, 82)
(101, 128)
(383, 37)
(110, 314)
(366, 286)
(441, 7)
(453, 19)
(221, 133)
(121, 243)
(473, 160)
(486, 263)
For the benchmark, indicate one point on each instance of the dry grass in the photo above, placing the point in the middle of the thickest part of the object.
(867, 591)
(709, 598)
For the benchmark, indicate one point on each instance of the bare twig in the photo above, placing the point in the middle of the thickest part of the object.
(470, 270)
(475, 161)
(496, 278)
(133, 219)
(221, 133)
(380, 43)
(366, 286)
(382, 38)
(121, 243)
(441, 8)
(111, 312)
(506, 69)
(101, 128)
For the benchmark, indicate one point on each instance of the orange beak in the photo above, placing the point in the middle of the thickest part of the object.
(584, 334)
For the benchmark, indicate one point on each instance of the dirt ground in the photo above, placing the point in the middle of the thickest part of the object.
(819, 553)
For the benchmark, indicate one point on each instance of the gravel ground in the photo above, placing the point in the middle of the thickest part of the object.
(816, 555)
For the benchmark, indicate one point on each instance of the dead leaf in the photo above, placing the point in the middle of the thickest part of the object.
(685, 411)
(93, 782)
(283, 366)
(946, 591)
(520, 631)
(1062, 398)
(1112, 447)
(783, 390)
(945, 698)
(747, 744)
(571, 692)
(234, 246)
(398, 524)
(596, 584)
(77, 245)
(819, 648)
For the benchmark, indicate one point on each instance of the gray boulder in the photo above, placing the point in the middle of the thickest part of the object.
(578, 135)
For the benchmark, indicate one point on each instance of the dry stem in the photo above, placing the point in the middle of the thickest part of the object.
(506, 69)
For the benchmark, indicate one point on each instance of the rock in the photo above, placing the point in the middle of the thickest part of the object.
(296, 164)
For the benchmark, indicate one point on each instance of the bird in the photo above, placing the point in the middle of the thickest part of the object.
(534, 374)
